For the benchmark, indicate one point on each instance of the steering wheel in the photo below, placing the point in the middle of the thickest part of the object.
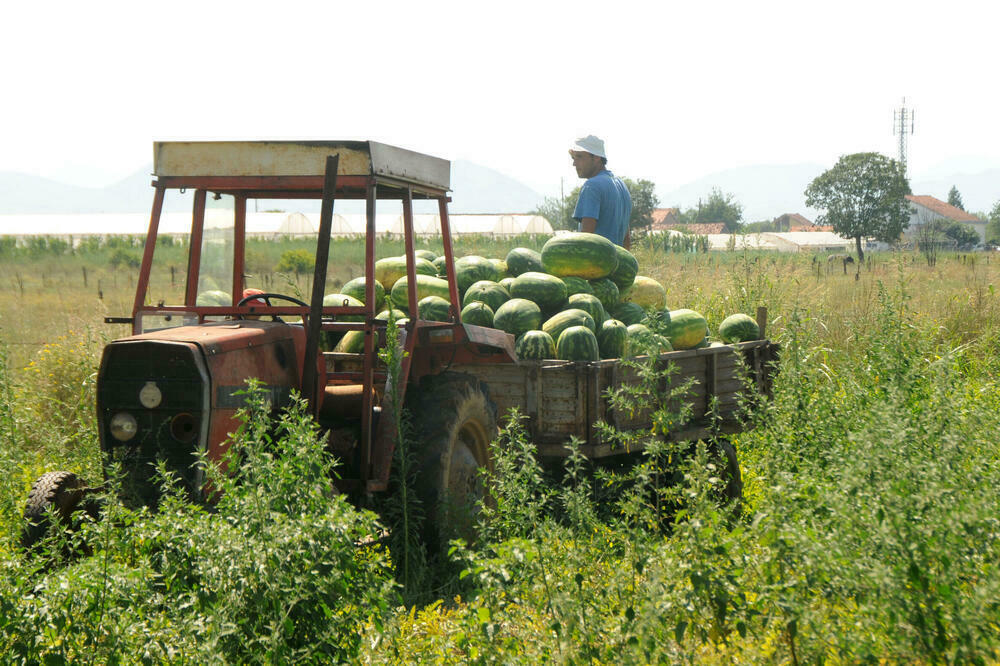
(266, 297)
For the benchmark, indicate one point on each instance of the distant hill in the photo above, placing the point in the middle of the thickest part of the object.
(477, 189)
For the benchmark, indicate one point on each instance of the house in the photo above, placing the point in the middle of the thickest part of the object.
(793, 222)
(925, 209)
(665, 218)
(701, 229)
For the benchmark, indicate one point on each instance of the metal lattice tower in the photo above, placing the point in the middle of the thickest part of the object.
(902, 125)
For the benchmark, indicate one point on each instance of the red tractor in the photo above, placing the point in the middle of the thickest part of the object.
(173, 388)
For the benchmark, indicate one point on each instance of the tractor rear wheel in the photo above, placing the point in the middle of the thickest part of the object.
(454, 422)
(61, 490)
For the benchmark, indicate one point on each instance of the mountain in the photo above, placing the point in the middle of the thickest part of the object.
(477, 189)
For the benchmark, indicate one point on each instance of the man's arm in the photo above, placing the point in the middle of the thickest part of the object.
(588, 224)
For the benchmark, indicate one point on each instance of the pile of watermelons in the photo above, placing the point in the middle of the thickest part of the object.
(579, 299)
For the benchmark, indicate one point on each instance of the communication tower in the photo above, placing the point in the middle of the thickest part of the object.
(902, 125)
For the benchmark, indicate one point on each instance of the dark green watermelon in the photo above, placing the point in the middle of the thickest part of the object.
(535, 346)
(517, 316)
(356, 288)
(472, 269)
(426, 254)
(439, 265)
(739, 328)
(521, 260)
(578, 343)
(487, 292)
(433, 308)
(624, 274)
(606, 292)
(478, 314)
(589, 303)
(576, 285)
(611, 339)
(546, 291)
(628, 313)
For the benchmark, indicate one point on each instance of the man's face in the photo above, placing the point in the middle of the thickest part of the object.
(586, 165)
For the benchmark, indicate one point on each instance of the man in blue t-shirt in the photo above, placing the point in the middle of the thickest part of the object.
(604, 206)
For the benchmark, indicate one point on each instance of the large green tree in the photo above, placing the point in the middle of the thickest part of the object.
(863, 196)
(718, 207)
(993, 225)
(644, 200)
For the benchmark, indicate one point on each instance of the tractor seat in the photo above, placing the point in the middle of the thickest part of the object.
(342, 402)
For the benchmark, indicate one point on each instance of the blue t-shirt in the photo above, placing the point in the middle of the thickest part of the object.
(606, 199)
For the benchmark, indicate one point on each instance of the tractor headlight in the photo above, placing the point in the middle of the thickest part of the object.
(123, 426)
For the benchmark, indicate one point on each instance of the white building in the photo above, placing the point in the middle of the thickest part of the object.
(925, 209)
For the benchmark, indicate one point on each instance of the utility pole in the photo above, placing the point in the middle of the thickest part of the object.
(902, 124)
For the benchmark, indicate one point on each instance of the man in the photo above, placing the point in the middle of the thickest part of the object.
(604, 206)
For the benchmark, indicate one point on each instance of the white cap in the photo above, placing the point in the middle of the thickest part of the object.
(589, 144)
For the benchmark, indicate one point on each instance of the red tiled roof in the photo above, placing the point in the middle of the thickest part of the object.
(942, 208)
(659, 215)
(701, 229)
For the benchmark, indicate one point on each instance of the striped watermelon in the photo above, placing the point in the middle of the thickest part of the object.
(439, 265)
(506, 283)
(356, 288)
(606, 292)
(739, 328)
(580, 254)
(628, 313)
(576, 285)
(339, 300)
(560, 321)
(487, 292)
(546, 291)
(535, 346)
(686, 329)
(578, 343)
(433, 308)
(390, 269)
(472, 269)
(611, 339)
(477, 313)
(624, 275)
(517, 316)
(521, 260)
(426, 254)
(588, 303)
(426, 286)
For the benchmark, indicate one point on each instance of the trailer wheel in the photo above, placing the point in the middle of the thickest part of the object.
(725, 453)
(454, 422)
(62, 490)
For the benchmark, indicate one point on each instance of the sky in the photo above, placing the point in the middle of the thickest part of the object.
(676, 90)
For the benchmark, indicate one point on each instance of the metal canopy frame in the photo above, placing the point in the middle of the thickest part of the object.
(374, 470)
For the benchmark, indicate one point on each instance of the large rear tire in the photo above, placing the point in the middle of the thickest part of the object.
(62, 490)
(454, 423)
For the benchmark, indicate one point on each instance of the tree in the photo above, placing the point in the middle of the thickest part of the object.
(993, 225)
(559, 212)
(719, 207)
(954, 198)
(864, 196)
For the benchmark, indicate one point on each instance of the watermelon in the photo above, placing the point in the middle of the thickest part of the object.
(472, 269)
(578, 343)
(353, 342)
(546, 291)
(606, 292)
(517, 316)
(576, 285)
(214, 297)
(580, 254)
(426, 254)
(487, 292)
(641, 340)
(340, 300)
(356, 288)
(611, 339)
(521, 260)
(477, 313)
(506, 282)
(646, 292)
(426, 286)
(588, 303)
(686, 329)
(433, 308)
(535, 346)
(739, 328)
(390, 269)
(628, 313)
(624, 275)
(440, 265)
(384, 315)
(501, 267)
(560, 321)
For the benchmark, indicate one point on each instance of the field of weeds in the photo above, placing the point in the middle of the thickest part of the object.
(869, 529)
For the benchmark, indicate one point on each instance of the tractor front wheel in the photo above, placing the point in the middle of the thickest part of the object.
(62, 491)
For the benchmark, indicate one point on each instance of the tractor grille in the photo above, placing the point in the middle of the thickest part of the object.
(164, 387)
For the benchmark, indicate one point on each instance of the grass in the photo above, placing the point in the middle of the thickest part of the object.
(869, 530)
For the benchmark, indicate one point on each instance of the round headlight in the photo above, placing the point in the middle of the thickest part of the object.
(123, 426)
(150, 395)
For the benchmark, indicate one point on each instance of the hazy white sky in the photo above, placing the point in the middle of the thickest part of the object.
(677, 90)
